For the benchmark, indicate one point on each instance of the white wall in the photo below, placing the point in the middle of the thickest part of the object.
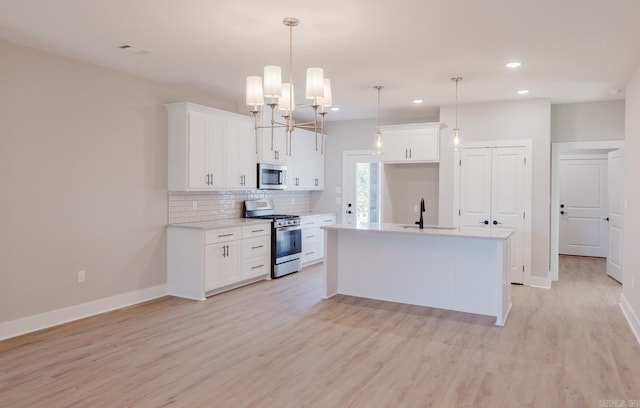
(592, 121)
(83, 181)
(404, 186)
(528, 119)
(631, 255)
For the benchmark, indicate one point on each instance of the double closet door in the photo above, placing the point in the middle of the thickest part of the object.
(492, 196)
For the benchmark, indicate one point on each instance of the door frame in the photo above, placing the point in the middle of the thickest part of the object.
(563, 149)
(345, 156)
(527, 144)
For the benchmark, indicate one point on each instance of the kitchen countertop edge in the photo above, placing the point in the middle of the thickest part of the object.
(398, 229)
(211, 225)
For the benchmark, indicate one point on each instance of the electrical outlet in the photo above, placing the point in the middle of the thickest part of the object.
(416, 208)
(338, 190)
(195, 205)
(338, 200)
(80, 276)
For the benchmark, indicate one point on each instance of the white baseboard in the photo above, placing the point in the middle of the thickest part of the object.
(41, 321)
(539, 282)
(631, 317)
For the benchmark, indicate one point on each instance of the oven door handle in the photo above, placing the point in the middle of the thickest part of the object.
(292, 228)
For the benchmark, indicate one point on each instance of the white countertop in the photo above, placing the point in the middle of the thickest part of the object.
(210, 225)
(414, 230)
(314, 214)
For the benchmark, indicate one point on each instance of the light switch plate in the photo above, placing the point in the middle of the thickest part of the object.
(338, 190)
(195, 205)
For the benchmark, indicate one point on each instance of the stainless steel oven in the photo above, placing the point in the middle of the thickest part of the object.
(286, 237)
(272, 176)
(287, 249)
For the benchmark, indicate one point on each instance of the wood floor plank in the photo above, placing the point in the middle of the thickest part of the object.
(278, 344)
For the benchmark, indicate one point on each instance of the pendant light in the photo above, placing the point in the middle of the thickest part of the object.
(377, 141)
(456, 140)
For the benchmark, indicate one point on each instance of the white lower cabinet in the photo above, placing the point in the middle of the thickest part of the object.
(313, 237)
(203, 262)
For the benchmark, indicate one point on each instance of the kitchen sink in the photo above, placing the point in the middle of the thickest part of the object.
(436, 227)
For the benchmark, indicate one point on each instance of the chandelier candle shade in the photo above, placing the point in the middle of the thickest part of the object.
(281, 95)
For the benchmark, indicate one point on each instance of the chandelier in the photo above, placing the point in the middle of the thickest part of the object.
(280, 95)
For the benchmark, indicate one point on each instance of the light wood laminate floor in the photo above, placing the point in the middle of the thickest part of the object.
(278, 344)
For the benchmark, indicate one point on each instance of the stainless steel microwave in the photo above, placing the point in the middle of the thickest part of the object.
(272, 176)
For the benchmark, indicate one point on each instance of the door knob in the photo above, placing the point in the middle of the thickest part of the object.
(485, 222)
(348, 211)
(607, 219)
(496, 222)
(563, 213)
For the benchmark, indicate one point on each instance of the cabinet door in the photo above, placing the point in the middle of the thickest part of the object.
(423, 145)
(215, 151)
(273, 147)
(394, 146)
(239, 155)
(205, 166)
(222, 264)
(314, 163)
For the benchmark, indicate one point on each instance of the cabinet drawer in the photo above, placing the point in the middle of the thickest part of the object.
(253, 247)
(311, 236)
(258, 230)
(309, 222)
(222, 235)
(252, 268)
(327, 220)
(311, 252)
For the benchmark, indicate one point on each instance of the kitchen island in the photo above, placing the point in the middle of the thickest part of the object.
(441, 267)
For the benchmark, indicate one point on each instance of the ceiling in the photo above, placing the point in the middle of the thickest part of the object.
(572, 50)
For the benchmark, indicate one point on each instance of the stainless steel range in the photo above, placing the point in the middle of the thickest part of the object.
(286, 236)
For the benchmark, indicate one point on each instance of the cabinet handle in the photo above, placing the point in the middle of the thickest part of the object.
(409, 153)
(225, 235)
(496, 222)
(257, 267)
(241, 182)
(224, 251)
(256, 247)
(309, 253)
(406, 153)
(257, 230)
(310, 236)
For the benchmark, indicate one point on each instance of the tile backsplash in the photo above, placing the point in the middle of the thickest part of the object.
(220, 205)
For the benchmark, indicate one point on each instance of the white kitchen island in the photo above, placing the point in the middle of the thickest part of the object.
(466, 271)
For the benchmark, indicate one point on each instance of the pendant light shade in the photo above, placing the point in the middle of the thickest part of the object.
(326, 100)
(377, 140)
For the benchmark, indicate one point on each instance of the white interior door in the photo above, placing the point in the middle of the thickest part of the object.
(492, 195)
(583, 207)
(475, 188)
(615, 199)
(361, 188)
(507, 202)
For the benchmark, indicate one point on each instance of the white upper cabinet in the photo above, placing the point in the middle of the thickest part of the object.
(273, 144)
(416, 142)
(240, 155)
(210, 149)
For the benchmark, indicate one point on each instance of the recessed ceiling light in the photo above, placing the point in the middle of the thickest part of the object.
(514, 64)
(417, 101)
(335, 109)
(134, 50)
(523, 91)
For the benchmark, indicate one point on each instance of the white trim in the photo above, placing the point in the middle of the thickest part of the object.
(345, 155)
(540, 282)
(631, 317)
(45, 320)
(557, 151)
(528, 199)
